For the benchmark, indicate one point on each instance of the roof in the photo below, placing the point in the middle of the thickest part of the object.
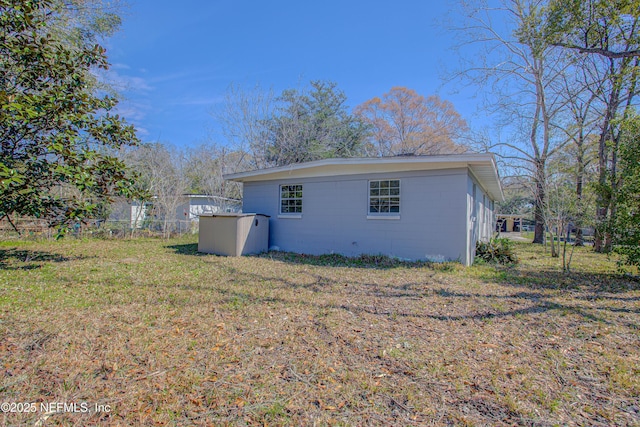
(482, 166)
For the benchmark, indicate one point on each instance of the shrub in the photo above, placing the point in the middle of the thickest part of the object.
(498, 250)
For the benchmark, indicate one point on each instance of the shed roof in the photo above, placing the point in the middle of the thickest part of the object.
(482, 165)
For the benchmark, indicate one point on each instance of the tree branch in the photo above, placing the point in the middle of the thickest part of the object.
(600, 51)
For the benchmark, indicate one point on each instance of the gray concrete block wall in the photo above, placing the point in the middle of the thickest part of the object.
(432, 224)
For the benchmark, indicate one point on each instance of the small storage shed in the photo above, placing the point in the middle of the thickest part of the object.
(233, 234)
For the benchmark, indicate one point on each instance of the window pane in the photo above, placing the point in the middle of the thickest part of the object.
(290, 199)
(384, 196)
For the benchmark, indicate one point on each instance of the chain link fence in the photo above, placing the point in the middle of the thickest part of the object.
(36, 229)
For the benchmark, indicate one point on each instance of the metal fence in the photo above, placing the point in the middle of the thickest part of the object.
(36, 229)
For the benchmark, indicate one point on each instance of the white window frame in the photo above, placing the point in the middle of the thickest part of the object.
(389, 197)
(294, 214)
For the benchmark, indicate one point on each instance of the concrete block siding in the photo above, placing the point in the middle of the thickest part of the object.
(431, 225)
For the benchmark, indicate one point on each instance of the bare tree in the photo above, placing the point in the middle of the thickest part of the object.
(405, 122)
(560, 209)
(582, 92)
(518, 67)
(244, 117)
(206, 164)
(161, 173)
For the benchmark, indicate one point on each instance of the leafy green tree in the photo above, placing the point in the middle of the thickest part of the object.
(604, 27)
(626, 222)
(313, 125)
(607, 31)
(57, 138)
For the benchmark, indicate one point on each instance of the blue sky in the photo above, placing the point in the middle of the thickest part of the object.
(175, 63)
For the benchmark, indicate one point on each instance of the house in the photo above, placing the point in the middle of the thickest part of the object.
(411, 207)
(506, 223)
(199, 204)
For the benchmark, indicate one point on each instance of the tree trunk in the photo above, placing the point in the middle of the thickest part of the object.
(608, 237)
(552, 240)
(603, 199)
(579, 189)
(540, 195)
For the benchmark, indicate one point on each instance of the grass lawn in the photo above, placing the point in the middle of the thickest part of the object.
(161, 335)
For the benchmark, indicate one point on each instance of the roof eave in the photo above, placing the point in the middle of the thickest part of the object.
(332, 167)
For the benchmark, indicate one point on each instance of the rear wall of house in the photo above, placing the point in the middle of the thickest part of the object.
(334, 219)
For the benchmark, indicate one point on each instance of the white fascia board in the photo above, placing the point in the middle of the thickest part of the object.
(350, 166)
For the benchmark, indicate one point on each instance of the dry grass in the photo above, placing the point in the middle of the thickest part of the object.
(167, 336)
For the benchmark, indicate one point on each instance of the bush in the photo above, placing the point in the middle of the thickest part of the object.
(498, 250)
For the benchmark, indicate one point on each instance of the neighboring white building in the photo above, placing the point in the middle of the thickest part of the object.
(416, 207)
(199, 204)
(194, 205)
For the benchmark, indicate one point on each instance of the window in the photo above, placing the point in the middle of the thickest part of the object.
(291, 199)
(384, 196)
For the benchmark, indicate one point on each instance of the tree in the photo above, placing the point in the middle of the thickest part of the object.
(56, 132)
(563, 209)
(625, 227)
(404, 122)
(581, 87)
(162, 179)
(313, 125)
(299, 125)
(609, 32)
(608, 28)
(205, 166)
(519, 66)
(244, 118)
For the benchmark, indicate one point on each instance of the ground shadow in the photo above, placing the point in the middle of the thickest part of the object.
(328, 260)
(20, 259)
(186, 249)
(557, 280)
(381, 262)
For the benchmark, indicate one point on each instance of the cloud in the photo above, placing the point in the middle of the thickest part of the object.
(120, 66)
(132, 111)
(125, 83)
(142, 132)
